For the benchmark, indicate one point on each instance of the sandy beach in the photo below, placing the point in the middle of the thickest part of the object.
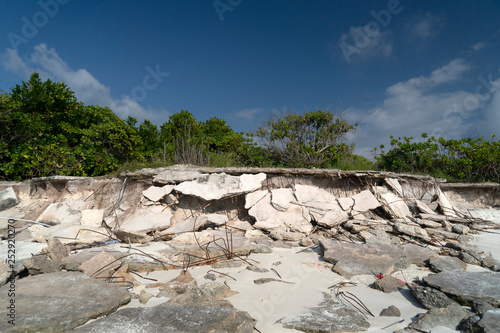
(309, 278)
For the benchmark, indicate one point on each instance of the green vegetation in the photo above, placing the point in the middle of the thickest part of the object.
(45, 131)
(470, 160)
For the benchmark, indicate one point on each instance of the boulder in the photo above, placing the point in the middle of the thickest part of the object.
(391, 311)
(430, 297)
(145, 219)
(490, 323)
(395, 205)
(8, 199)
(67, 234)
(388, 284)
(101, 266)
(203, 317)
(268, 218)
(418, 255)
(61, 301)
(62, 212)
(155, 193)
(440, 264)
(254, 197)
(329, 317)
(217, 186)
(306, 193)
(57, 251)
(450, 317)
(40, 264)
(356, 259)
(281, 199)
(467, 286)
(411, 231)
(364, 201)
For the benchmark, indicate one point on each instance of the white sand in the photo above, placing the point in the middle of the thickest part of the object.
(489, 241)
(269, 302)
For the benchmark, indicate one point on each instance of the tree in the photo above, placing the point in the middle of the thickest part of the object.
(310, 140)
(46, 131)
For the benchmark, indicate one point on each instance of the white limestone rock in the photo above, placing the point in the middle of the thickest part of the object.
(281, 198)
(254, 197)
(396, 205)
(268, 218)
(346, 203)
(217, 186)
(92, 217)
(69, 234)
(155, 193)
(146, 219)
(306, 193)
(364, 201)
(62, 212)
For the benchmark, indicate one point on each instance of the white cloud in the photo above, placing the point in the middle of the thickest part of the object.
(412, 108)
(479, 46)
(87, 88)
(248, 114)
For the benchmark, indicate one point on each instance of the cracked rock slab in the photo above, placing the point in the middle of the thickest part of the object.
(214, 316)
(464, 287)
(220, 185)
(357, 259)
(57, 302)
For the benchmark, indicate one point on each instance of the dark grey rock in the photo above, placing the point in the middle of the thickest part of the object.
(40, 264)
(490, 263)
(214, 316)
(467, 286)
(480, 307)
(257, 269)
(429, 297)
(267, 280)
(450, 317)
(470, 325)
(8, 199)
(490, 323)
(56, 302)
(418, 255)
(469, 258)
(319, 320)
(355, 259)
(391, 311)
(57, 251)
(228, 264)
(388, 284)
(210, 276)
(262, 248)
(440, 264)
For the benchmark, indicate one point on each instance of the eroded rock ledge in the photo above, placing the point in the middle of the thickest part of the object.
(179, 217)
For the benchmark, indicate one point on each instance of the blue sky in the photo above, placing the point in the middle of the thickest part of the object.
(397, 67)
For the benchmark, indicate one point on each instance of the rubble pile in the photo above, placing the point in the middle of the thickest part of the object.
(111, 231)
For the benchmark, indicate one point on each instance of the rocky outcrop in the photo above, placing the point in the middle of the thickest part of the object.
(46, 302)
